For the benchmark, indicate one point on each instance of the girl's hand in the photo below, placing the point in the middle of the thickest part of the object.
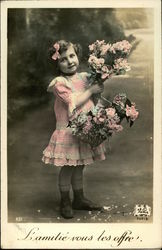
(96, 89)
(83, 97)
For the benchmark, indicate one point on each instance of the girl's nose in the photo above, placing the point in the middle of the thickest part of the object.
(69, 60)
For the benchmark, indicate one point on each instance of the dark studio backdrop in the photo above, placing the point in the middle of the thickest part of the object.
(32, 188)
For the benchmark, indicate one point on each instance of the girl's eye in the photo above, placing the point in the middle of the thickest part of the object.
(62, 59)
(72, 55)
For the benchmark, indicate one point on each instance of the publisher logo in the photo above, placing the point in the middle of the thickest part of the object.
(142, 212)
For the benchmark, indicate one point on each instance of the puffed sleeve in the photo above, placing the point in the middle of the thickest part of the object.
(62, 89)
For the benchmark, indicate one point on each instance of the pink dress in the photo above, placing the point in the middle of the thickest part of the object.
(65, 148)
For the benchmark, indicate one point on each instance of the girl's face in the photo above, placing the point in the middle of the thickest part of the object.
(68, 62)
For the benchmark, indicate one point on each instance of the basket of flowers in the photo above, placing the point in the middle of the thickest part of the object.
(100, 122)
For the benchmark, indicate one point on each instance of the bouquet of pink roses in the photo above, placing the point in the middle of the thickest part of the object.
(100, 123)
(107, 59)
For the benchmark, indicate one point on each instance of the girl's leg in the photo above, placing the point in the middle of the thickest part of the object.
(80, 202)
(65, 176)
(77, 178)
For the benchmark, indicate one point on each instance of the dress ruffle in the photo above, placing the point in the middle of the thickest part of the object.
(66, 149)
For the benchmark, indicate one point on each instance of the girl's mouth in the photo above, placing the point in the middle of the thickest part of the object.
(71, 66)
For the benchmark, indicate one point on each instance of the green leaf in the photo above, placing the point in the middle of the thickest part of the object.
(128, 102)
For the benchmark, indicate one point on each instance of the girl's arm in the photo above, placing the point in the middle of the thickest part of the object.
(82, 98)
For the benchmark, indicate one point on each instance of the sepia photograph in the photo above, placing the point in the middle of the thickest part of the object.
(81, 130)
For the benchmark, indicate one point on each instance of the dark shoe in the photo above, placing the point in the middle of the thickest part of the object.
(81, 203)
(65, 206)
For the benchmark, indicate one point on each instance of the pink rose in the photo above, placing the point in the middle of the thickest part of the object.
(112, 49)
(101, 119)
(110, 112)
(119, 128)
(105, 75)
(105, 69)
(101, 61)
(99, 43)
(92, 47)
(89, 118)
(56, 46)
(104, 49)
(132, 112)
(95, 119)
(87, 127)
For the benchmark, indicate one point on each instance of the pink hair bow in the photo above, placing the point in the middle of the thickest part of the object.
(56, 55)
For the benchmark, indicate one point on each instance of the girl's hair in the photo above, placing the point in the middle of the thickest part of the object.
(63, 46)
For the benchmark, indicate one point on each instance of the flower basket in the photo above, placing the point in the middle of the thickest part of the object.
(93, 140)
(102, 122)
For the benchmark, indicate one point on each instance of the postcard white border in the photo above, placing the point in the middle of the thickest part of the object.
(149, 234)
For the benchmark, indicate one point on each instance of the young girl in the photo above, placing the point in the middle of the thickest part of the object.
(72, 96)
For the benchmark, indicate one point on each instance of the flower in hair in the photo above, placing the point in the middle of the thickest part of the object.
(56, 55)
